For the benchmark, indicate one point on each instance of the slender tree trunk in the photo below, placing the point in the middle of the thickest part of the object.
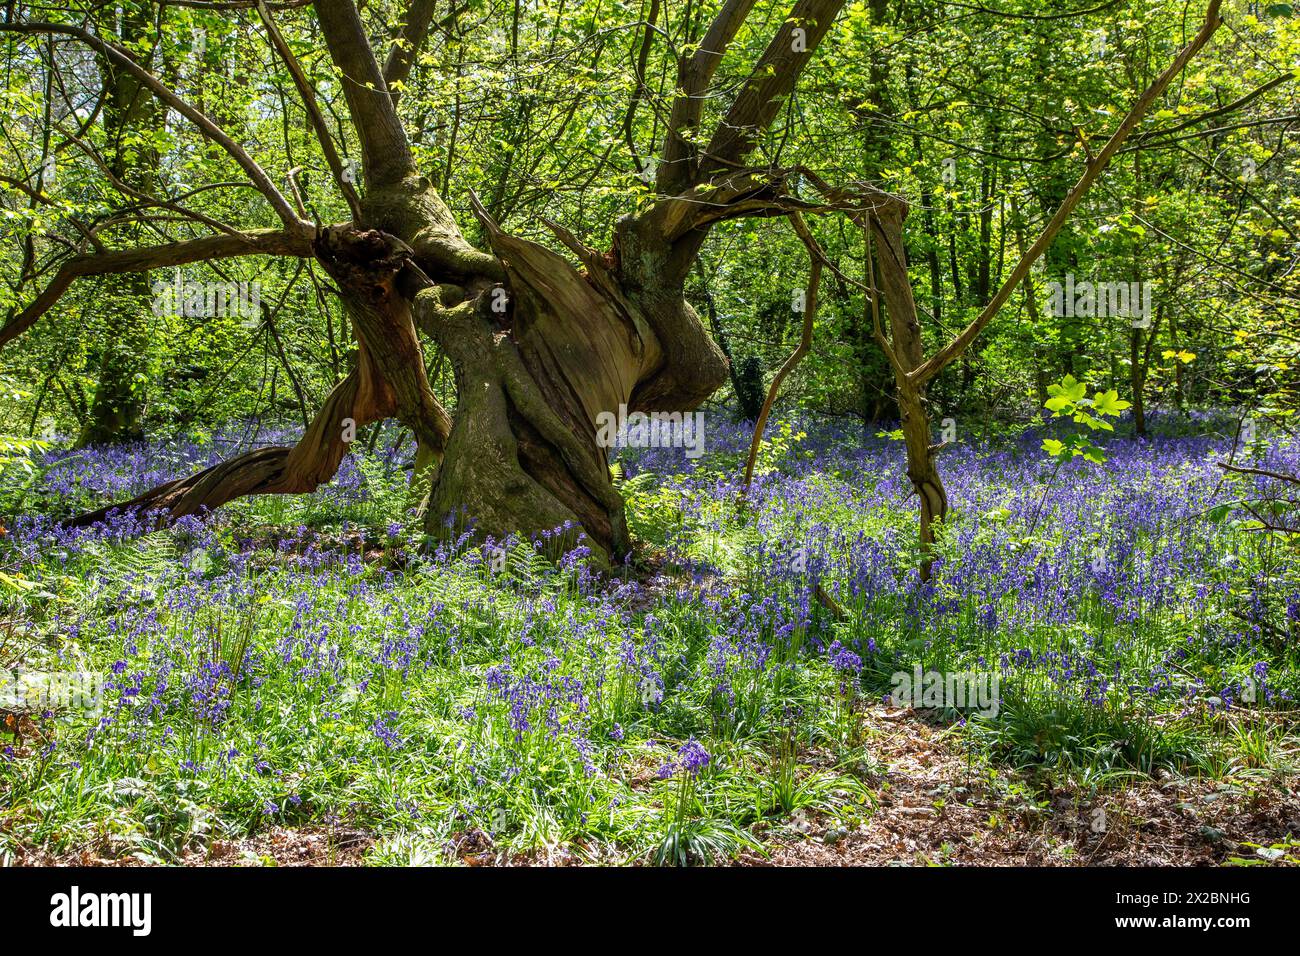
(1137, 381)
(905, 334)
(130, 111)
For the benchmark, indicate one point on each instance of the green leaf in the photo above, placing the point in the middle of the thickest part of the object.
(1109, 403)
(1219, 513)
(1073, 388)
(19, 584)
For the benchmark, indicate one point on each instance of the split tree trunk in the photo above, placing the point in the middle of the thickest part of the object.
(388, 381)
(539, 349)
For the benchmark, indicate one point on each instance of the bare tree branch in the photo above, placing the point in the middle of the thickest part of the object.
(1227, 108)
(402, 54)
(123, 59)
(772, 81)
(385, 150)
(677, 168)
(308, 94)
(1261, 472)
(269, 242)
(142, 199)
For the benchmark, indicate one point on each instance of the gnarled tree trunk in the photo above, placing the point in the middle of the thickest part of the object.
(540, 348)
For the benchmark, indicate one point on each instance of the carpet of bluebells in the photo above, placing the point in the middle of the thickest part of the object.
(315, 661)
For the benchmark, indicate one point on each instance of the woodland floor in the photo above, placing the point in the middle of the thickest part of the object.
(932, 810)
(392, 705)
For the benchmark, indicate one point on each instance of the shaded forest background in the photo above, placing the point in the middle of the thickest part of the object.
(981, 116)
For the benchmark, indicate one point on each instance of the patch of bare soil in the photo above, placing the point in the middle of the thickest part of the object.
(286, 847)
(278, 846)
(935, 809)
